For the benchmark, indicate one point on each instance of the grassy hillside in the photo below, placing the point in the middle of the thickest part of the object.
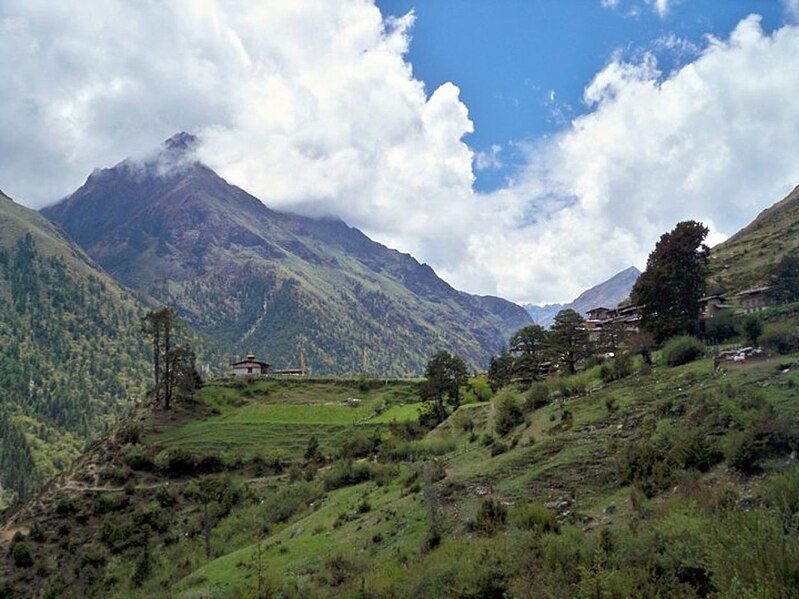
(648, 486)
(745, 259)
(70, 354)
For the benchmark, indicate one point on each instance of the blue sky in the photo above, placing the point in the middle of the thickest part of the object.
(507, 56)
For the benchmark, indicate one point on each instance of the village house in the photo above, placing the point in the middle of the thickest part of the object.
(249, 367)
(627, 315)
(754, 300)
(746, 301)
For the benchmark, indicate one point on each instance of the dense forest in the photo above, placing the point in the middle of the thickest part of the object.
(71, 359)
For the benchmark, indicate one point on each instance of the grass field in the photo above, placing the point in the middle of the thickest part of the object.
(261, 417)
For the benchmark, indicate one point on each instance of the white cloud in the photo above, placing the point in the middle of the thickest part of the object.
(716, 141)
(488, 159)
(312, 106)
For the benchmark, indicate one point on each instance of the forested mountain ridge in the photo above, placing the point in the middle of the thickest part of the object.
(746, 258)
(275, 283)
(70, 353)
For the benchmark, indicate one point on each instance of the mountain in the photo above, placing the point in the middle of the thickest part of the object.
(269, 282)
(744, 260)
(70, 353)
(608, 294)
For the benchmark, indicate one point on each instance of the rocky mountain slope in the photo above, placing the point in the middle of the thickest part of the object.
(607, 294)
(269, 282)
(744, 260)
(70, 353)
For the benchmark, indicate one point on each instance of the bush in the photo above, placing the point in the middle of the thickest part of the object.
(210, 463)
(351, 473)
(535, 517)
(137, 458)
(491, 516)
(537, 397)
(507, 412)
(782, 339)
(477, 390)
(21, 555)
(721, 327)
(419, 450)
(616, 369)
(359, 445)
(130, 433)
(645, 467)
(682, 350)
(175, 462)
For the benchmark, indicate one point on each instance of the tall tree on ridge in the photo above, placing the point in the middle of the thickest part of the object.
(568, 339)
(674, 280)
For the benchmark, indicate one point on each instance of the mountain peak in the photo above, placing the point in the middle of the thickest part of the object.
(182, 142)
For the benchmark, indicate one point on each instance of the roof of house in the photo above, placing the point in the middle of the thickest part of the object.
(250, 360)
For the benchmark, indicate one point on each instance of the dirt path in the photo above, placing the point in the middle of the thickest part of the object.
(8, 533)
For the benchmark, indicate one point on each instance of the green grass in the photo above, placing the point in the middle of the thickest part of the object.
(258, 418)
(394, 524)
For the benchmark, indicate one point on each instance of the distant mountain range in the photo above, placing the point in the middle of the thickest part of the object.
(607, 294)
(273, 283)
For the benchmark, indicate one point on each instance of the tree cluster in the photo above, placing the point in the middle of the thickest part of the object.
(173, 363)
(566, 343)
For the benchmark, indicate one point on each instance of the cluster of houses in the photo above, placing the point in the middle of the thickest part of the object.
(629, 316)
(251, 367)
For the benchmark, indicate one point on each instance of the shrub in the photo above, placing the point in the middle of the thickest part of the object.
(491, 516)
(497, 448)
(682, 350)
(507, 411)
(644, 466)
(721, 327)
(210, 463)
(66, 506)
(695, 449)
(359, 445)
(105, 503)
(781, 338)
(616, 369)
(763, 438)
(175, 462)
(349, 473)
(419, 450)
(21, 555)
(463, 420)
(339, 569)
(535, 517)
(137, 458)
(477, 390)
(130, 434)
(537, 396)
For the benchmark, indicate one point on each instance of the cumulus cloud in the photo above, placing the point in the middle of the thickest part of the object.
(313, 107)
(715, 141)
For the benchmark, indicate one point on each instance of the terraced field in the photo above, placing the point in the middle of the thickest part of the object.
(262, 417)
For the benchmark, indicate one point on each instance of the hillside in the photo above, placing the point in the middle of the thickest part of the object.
(607, 294)
(270, 282)
(70, 354)
(744, 260)
(648, 486)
